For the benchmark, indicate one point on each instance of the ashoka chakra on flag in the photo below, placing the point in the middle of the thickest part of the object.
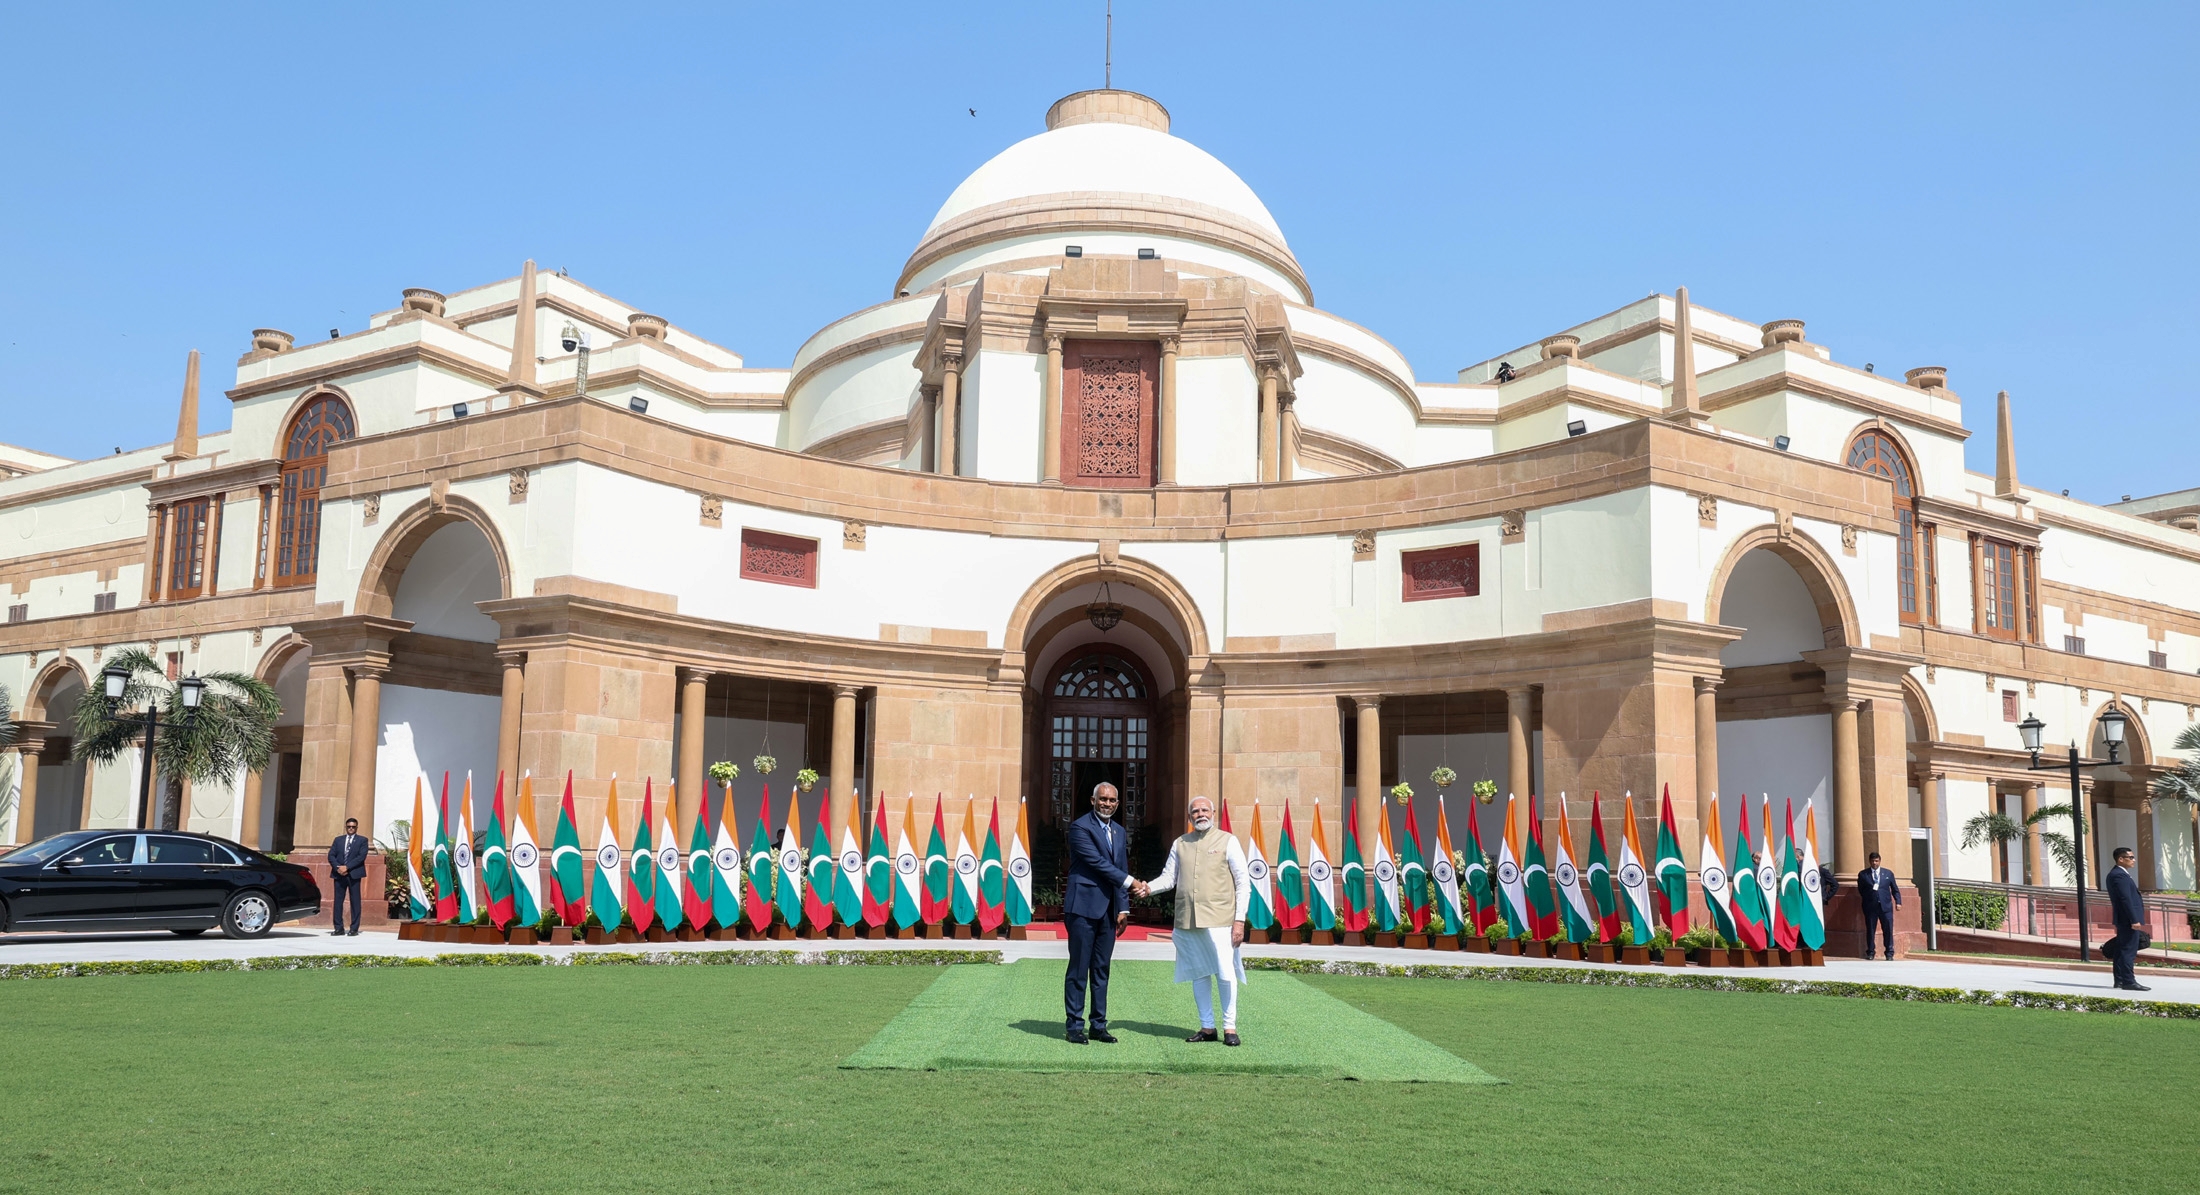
(465, 855)
(852, 862)
(728, 858)
(966, 865)
(906, 865)
(1566, 874)
(1810, 882)
(1630, 874)
(607, 857)
(1714, 877)
(1319, 870)
(523, 855)
(1508, 872)
(669, 858)
(1385, 870)
(1258, 868)
(1019, 867)
(1443, 871)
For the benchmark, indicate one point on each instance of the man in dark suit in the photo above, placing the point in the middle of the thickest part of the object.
(1881, 896)
(347, 867)
(2130, 917)
(1096, 904)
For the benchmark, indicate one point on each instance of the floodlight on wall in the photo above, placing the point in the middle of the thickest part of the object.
(1147, 255)
(1577, 428)
(458, 410)
(1780, 442)
(638, 405)
(332, 334)
(1073, 250)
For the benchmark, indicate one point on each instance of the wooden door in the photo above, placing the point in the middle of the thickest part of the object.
(1108, 428)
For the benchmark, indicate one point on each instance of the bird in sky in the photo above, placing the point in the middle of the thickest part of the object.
(973, 111)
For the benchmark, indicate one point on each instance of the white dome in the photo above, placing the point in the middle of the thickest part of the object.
(1107, 158)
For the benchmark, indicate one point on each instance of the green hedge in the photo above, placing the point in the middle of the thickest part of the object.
(655, 958)
(1737, 983)
(1970, 910)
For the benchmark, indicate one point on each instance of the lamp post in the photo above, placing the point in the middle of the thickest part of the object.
(116, 682)
(2112, 722)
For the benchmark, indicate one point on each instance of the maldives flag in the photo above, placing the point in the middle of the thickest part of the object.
(1634, 882)
(1479, 888)
(756, 895)
(1573, 906)
(1536, 878)
(1290, 882)
(1019, 867)
(848, 885)
(462, 855)
(790, 862)
(1223, 822)
(908, 870)
(702, 880)
(878, 868)
(1512, 890)
(725, 864)
(991, 888)
(939, 877)
(1749, 894)
(1718, 894)
(1260, 911)
(819, 869)
(496, 862)
(1355, 875)
(1386, 876)
(607, 893)
(446, 879)
(1413, 877)
(964, 901)
(416, 891)
(526, 858)
(1788, 914)
(671, 876)
(1671, 885)
(1321, 885)
(641, 866)
(1811, 919)
(1600, 874)
(568, 892)
(1450, 919)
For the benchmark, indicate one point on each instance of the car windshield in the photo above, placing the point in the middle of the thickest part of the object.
(51, 848)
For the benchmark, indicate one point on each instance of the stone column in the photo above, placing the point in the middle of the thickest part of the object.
(30, 743)
(248, 825)
(1369, 778)
(1268, 423)
(1848, 789)
(950, 404)
(513, 664)
(1050, 443)
(2083, 804)
(2145, 848)
(2035, 860)
(1165, 414)
(1519, 774)
(928, 461)
(694, 686)
(1287, 452)
(843, 774)
(1928, 813)
(1707, 744)
(366, 733)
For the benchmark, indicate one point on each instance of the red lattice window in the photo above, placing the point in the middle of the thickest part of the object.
(1108, 392)
(1450, 572)
(780, 559)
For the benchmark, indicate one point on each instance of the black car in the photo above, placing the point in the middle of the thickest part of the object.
(150, 879)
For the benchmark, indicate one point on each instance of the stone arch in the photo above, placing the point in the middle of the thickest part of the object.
(1921, 710)
(1094, 568)
(1821, 576)
(276, 657)
(407, 532)
(42, 687)
(2138, 748)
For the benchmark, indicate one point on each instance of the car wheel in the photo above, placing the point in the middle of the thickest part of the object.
(249, 915)
(188, 933)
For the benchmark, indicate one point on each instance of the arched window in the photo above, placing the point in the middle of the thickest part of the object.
(1876, 452)
(1099, 677)
(325, 421)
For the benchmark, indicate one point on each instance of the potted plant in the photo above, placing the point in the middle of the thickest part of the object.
(1443, 776)
(806, 779)
(1702, 947)
(1563, 947)
(765, 765)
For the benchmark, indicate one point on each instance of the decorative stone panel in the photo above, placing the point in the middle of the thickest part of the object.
(852, 535)
(779, 559)
(714, 511)
(1448, 572)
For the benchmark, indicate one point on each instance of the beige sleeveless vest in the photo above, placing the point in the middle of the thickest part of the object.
(1206, 896)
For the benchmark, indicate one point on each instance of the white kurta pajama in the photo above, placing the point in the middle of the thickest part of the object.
(1205, 956)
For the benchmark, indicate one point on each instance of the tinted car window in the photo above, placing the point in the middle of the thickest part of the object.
(178, 850)
(51, 848)
(108, 852)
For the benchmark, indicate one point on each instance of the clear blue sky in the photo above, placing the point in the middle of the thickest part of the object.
(2009, 192)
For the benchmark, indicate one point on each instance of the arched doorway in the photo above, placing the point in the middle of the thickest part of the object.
(1775, 729)
(1099, 729)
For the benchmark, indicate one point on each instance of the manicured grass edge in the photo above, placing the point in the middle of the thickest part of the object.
(651, 958)
(1738, 983)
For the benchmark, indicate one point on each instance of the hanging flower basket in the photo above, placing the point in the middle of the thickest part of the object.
(1485, 791)
(1402, 792)
(764, 765)
(1443, 777)
(806, 779)
(724, 771)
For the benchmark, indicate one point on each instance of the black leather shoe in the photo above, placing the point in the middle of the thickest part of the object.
(1230, 1038)
(2137, 987)
(1202, 1035)
(1102, 1035)
(1076, 1036)
(336, 933)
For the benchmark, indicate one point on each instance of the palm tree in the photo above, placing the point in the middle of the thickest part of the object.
(1999, 829)
(1995, 828)
(7, 739)
(233, 727)
(2181, 784)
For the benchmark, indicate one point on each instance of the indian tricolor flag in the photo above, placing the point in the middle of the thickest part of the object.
(1019, 867)
(790, 862)
(725, 865)
(1260, 911)
(1512, 888)
(671, 875)
(965, 901)
(1718, 893)
(848, 885)
(1386, 875)
(1573, 906)
(908, 870)
(1451, 918)
(526, 858)
(462, 856)
(1634, 882)
(607, 895)
(422, 906)
(1811, 923)
(1777, 932)
(1321, 886)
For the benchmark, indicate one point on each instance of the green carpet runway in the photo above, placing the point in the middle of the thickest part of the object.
(1010, 1018)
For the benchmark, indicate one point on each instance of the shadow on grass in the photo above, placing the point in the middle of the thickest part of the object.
(1054, 1029)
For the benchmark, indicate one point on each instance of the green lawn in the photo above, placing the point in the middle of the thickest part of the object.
(633, 1079)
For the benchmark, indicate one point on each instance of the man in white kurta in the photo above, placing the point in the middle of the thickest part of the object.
(1207, 869)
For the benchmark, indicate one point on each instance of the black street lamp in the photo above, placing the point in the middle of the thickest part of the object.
(2112, 722)
(115, 681)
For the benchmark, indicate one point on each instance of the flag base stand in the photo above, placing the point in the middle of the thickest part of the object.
(1672, 958)
(905, 933)
(1635, 956)
(626, 936)
(962, 932)
(782, 933)
(1569, 951)
(933, 930)
(1814, 958)
(522, 935)
(689, 933)
(487, 935)
(1324, 937)
(1447, 942)
(1353, 937)
(1256, 937)
(844, 933)
(657, 934)
(1509, 946)
(1475, 944)
(1746, 958)
(1600, 952)
(561, 935)
(716, 933)
(1017, 933)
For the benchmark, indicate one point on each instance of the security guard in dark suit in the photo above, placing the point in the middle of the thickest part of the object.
(2130, 916)
(347, 869)
(1881, 896)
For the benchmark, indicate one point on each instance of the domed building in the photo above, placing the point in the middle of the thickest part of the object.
(1098, 493)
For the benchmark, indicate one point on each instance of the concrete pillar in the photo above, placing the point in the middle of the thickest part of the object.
(1050, 446)
(950, 404)
(1928, 813)
(1165, 414)
(1519, 771)
(324, 754)
(513, 698)
(1269, 423)
(928, 460)
(248, 826)
(366, 734)
(2148, 881)
(1287, 452)
(1848, 790)
(2035, 860)
(694, 685)
(1707, 744)
(843, 773)
(1369, 779)
(30, 743)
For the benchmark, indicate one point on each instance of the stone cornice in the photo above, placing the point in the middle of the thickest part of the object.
(399, 354)
(1955, 516)
(240, 475)
(235, 610)
(1774, 383)
(2050, 519)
